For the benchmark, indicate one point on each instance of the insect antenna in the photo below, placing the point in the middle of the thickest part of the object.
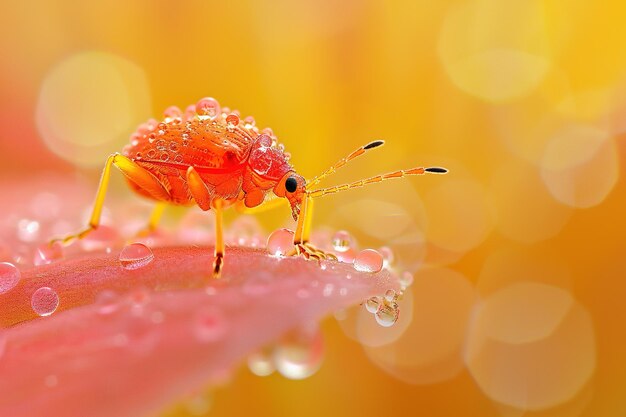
(378, 178)
(356, 153)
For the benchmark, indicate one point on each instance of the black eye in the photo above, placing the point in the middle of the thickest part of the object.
(291, 184)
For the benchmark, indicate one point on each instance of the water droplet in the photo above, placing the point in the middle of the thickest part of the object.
(328, 290)
(300, 352)
(190, 112)
(280, 242)
(387, 314)
(388, 257)
(151, 154)
(232, 120)
(341, 241)
(138, 155)
(44, 301)
(208, 106)
(28, 230)
(161, 144)
(165, 156)
(372, 304)
(260, 363)
(9, 276)
(46, 254)
(178, 159)
(173, 112)
(406, 279)
(135, 256)
(151, 137)
(209, 325)
(368, 260)
(390, 295)
(107, 302)
(347, 256)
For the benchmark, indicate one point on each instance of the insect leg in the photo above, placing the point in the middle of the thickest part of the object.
(153, 221)
(133, 172)
(198, 189)
(218, 260)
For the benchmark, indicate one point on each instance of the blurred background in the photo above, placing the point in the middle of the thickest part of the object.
(517, 307)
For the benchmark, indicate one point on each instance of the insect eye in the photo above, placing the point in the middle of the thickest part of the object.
(291, 184)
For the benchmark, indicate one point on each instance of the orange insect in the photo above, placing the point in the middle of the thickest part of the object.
(210, 157)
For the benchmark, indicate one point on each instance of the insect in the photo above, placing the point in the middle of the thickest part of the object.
(208, 156)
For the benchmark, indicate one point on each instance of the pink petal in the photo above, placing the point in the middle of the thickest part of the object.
(166, 335)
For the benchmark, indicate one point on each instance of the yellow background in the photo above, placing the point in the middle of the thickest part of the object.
(523, 100)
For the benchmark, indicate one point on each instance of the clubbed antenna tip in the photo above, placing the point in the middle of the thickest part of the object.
(436, 170)
(374, 144)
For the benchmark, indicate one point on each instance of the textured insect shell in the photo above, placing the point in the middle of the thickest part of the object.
(218, 153)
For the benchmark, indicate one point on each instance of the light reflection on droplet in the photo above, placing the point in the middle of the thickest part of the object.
(429, 349)
(342, 241)
(547, 364)
(46, 254)
(368, 260)
(135, 256)
(580, 166)
(261, 363)
(44, 301)
(300, 352)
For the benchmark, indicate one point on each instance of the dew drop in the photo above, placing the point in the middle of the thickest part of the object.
(341, 241)
(208, 106)
(46, 254)
(368, 260)
(372, 304)
(261, 363)
(347, 256)
(209, 325)
(232, 120)
(161, 145)
(44, 301)
(190, 112)
(388, 257)
(173, 112)
(406, 279)
(299, 354)
(390, 295)
(9, 276)
(135, 256)
(151, 137)
(280, 242)
(387, 314)
(165, 156)
(264, 141)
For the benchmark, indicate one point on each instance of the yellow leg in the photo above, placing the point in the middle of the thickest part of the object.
(303, 231)
(135, 173)
(155, 216)
(218, 259)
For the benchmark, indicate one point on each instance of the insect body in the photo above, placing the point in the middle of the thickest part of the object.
(210, 157)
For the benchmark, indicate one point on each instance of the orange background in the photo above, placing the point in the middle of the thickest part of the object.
(517, 253)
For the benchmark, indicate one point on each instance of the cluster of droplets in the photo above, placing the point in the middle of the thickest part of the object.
(343, 247)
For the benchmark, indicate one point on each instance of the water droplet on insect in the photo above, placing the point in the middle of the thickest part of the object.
(161, 144)
(151, 137)
(208, 106)
(178, 159)
(232, 120)
(9, 276)
(368, 260)
(249, 122)
(387, 314)
(190, 113)
(165, 156)
(209, 324)
(135, 256)
(134, 142)
(264, 141)
(46, 254)
(406, 279)
(173, 112)
(261, 362)
(151, 154)
(372, 304)
(138, 155)
(300, 352)
(44, 301)
(173, 146)
(107, 302)
(341, 241)
(28, 230)
(280, 242)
